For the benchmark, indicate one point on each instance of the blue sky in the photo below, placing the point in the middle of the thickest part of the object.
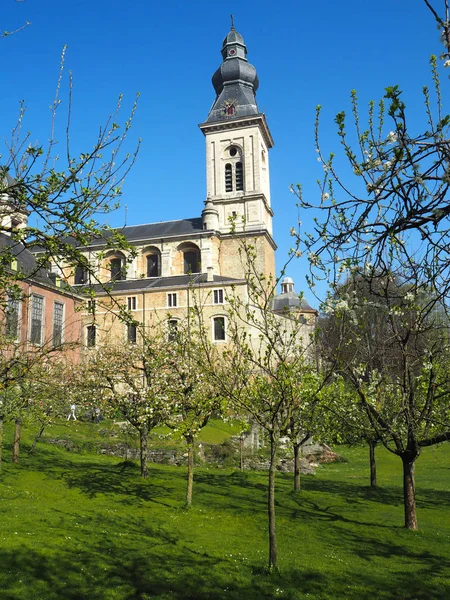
(305, 53)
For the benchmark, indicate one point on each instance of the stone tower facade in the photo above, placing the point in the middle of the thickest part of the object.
(237, 156)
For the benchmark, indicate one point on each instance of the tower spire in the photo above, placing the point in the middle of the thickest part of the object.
(235, 81)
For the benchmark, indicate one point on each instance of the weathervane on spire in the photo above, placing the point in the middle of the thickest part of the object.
(232, 22)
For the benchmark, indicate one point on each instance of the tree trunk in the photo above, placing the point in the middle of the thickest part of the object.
(271, 507)
(296, 467)
(409, 492)
(373, 465)
(241, 449)
(16, 447)
(143, 450)
(1, 440)
(35, 441)
(190, 472)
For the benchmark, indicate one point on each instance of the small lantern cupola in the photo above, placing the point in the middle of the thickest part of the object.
(287, 286)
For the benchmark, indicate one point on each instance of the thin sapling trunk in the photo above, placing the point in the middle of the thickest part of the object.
(190, 472)
(271, 506)
(36, 439)
(143, 450)
(1, 440)
(373, 465)
(297, 466)
(16, 448)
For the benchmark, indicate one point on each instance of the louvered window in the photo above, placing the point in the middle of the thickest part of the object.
(239, 177)
(228, 178)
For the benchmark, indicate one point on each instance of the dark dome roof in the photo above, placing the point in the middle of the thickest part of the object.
(289, 301)
(232, 70)
(233, 37)
(235, 82)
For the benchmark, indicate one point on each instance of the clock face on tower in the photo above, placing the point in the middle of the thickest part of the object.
(229, 108)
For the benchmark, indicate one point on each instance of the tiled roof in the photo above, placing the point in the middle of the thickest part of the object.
(26, 262)
(148, 284)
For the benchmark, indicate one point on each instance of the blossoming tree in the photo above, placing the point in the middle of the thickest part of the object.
(389, 340)
(130, 380)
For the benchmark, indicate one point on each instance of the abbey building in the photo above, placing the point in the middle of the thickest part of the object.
(171, 260)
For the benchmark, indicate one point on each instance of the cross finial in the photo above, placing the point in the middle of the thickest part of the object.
(232, 22)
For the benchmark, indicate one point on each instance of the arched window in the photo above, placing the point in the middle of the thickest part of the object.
(117, 269)
(228, 178)
(219, 329)
(81, 275)
(153, 265)
(192, 261)
(132, 333)
(234, 169)
(91, 336)
(172, 329)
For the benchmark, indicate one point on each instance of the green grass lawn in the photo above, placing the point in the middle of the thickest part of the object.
(80, 525)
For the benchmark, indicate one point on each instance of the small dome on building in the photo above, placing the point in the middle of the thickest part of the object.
(288, 300)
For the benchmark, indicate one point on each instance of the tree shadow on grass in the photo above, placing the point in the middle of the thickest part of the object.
(181, 574)
(355, 493)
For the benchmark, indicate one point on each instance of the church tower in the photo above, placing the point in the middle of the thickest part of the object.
(237, 148)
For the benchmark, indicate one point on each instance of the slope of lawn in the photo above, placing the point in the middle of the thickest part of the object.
(80, 525)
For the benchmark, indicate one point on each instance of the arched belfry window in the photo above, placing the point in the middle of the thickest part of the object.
(234, 170)
(228, 178)
(239, 177)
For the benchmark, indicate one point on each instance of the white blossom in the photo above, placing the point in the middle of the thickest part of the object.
(392, 137)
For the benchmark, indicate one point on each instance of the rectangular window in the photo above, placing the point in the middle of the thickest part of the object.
(91, 335)
(172, 300)
(131, 333)
(219, 328)
(12, 318)
(218, 296)
(58, 318)
(91, 306)
(37, 319)
(132, 302)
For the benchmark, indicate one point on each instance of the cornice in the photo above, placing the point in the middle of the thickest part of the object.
(242, 123)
